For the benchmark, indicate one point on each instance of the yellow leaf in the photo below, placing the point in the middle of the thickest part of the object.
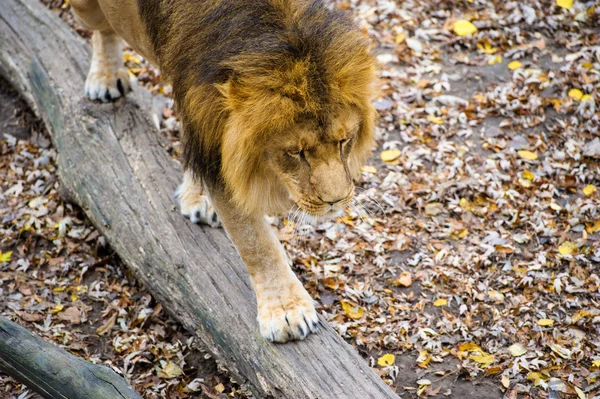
(596, 363)
(575, 94)
(482, 359)
(390, 155)
(545, 322)
(170, 370)
(587, 65)
(400, 37)
(495, 60)
(386, 360)
(589, 190)
(57, 309)
(5, 256)
(564, 3)
(534, 376)
(586, 97)
(464, 28)
(592, 227)
(528, 155)
(369, 169)
(440, 302)
(469, 347)
(486, 47)
(566, 248)
(580, 393)
(517, 349)
(528, 175)
(424, 359)
(435, 119)
(514, 65)
(353, 312)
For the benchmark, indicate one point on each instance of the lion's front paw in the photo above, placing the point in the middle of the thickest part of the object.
(287, 317)
(103, 85)
(197, 207)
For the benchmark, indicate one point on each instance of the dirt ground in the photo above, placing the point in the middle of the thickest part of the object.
(471, 268)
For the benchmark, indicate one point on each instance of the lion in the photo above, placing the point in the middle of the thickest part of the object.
(275, 102)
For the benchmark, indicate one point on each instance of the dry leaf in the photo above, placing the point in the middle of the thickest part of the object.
(566, 248)
(433, 209)
(405, 279)
(440, 302)
(386, 360)
(528, 155)
(72, 315)
(575, 94)
(545, 322)
(514, 65)
(353, 312)
(390, 155)
(103, 329)
(170, 370)
(5, 256)
(567, 4)
(464, 28)
(517, 349)
(589, 190)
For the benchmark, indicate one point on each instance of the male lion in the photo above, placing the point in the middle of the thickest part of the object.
(274, 96)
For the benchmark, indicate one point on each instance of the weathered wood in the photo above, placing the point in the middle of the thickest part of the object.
(112, 165)
(53, 372)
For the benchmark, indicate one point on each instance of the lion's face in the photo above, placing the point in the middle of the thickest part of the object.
(312, 161)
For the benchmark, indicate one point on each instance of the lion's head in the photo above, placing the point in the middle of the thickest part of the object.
(292, 120)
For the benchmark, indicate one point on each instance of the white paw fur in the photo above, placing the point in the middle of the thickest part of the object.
(106, 85)
(194, 204)
(286, 314)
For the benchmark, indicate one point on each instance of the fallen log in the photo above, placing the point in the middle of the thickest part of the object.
(53, 372)
(111, 164)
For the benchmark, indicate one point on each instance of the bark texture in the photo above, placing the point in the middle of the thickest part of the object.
(111, 163)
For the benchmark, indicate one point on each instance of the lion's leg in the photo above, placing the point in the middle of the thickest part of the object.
(285, 310)
(194, 203)
(108, 79)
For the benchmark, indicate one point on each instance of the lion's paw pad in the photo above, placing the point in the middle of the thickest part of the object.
(106, 86)
(292, 321)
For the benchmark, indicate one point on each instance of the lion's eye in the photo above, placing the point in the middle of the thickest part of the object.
(296, 154)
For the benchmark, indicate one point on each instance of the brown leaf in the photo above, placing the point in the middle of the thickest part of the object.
(103, 329)
(72, 315)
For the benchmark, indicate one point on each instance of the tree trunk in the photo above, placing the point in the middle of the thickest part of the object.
(53, 372)
(111, 164)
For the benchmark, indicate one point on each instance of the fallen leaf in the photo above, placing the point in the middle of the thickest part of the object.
(589, 190)
(464, 28)
(440, 302)
(575, 94)
(469, 347)
(71, 314)
(592, 227)
(528, 155)
(567, 4)
(220, 387)
(386, 360)
(57, 309)
(495, 60)
(433, 209)
(170, 370)
(514, 65)
(517, 349)
(586, 97)
(483, 359)
(405, 279)
(353, 312)
(566, 248)
(369, 169)
(528, 175)
(545, 322)
(5, 256)
(390, 155)
(103, 329)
